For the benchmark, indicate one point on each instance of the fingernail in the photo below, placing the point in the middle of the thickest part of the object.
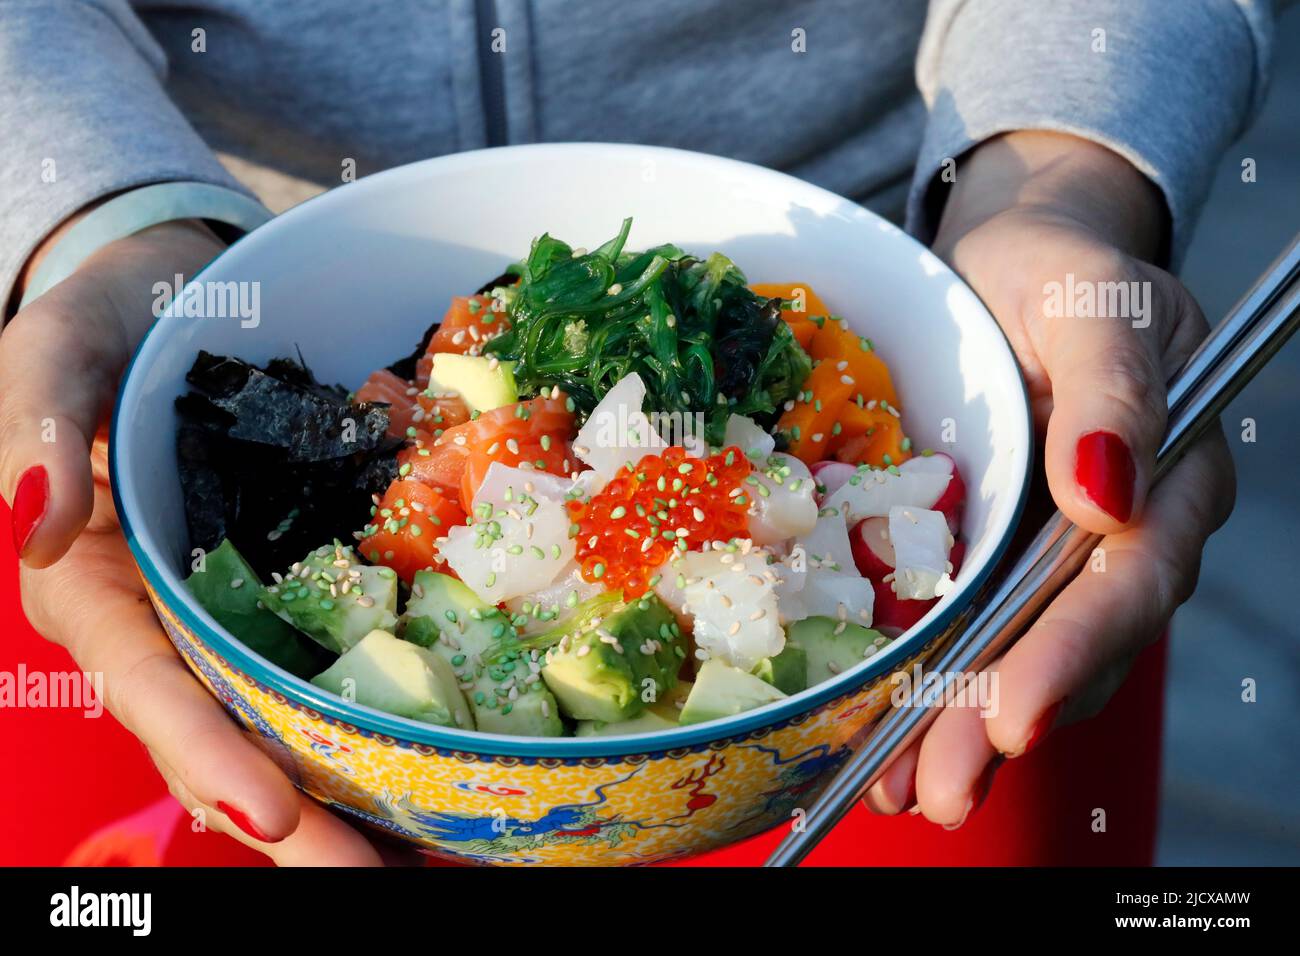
(241, 819)
(979, 794)
(1042, 727)
(1104, 469)
(31, 501)
(964, 814)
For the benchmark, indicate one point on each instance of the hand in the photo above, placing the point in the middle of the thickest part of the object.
(60, 360)
(1027, 210)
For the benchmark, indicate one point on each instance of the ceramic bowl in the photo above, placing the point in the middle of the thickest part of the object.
(352, 278)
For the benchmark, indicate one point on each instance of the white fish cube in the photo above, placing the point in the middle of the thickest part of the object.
(618, 431)
(751, 438)
(847, 597)
(553, 603)
(827, 545)
(782, 502)
(503, 484)
(731, 598)
(522, 548)
(921, 541)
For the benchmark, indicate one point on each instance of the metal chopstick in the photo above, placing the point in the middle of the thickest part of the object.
(1251, 334)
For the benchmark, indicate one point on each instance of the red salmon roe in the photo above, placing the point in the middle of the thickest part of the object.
(666, 502)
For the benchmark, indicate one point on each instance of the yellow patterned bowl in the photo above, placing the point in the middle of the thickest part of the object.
(352, 277)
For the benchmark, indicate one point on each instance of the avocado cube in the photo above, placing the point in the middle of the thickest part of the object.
(333, 598)
(228, 588)
(832, 646)
(614, 658)
(787, 671)
(723, 691)
(484, 384)
(654, 717)
(499, 677)
(398, 677)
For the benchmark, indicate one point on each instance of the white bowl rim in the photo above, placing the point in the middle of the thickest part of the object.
(406, 731)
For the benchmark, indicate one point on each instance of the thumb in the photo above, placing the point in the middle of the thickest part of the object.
(1109, 404)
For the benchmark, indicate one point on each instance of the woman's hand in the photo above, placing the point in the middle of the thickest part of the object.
(60, 360)
(1030, 213)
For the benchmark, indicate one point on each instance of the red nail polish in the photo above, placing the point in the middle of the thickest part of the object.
(31, 501)
(241, 819)
(1041, 728)
(1104, 469)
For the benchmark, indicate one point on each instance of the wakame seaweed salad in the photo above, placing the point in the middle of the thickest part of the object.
(691, 328)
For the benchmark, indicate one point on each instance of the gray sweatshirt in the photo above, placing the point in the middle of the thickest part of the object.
(868, 98)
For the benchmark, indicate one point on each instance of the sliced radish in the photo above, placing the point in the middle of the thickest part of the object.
(871, 492)
(872, 552)
(921, 541)
(957, 555)
(831, 476)
(953, 500)
(893, 615)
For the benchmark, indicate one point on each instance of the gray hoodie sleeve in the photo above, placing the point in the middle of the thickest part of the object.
(1167, 85)
(89, 70)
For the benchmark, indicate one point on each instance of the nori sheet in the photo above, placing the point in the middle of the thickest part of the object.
(276, 461)
(279, 462)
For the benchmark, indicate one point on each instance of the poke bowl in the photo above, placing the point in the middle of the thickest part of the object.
(613, 712)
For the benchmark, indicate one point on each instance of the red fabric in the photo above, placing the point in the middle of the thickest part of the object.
(84, 790)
